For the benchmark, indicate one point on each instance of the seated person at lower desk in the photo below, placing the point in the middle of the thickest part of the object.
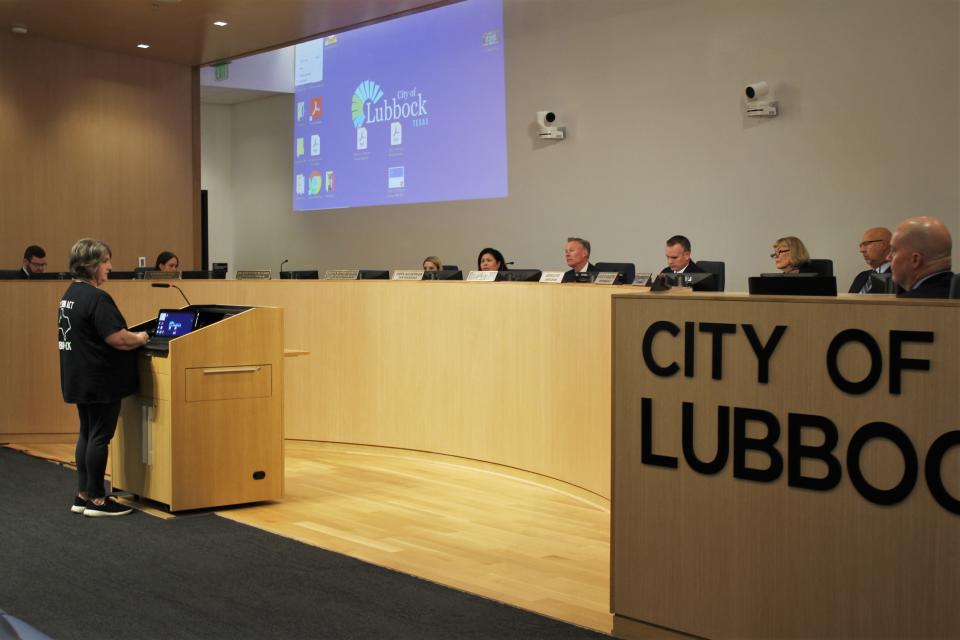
(577, 254)
(432, 263)
(875, 249)
(34, 261)
(167, 261)
(791, 256)
(920, 258)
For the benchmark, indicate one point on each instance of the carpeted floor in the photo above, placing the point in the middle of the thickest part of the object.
(202, 576)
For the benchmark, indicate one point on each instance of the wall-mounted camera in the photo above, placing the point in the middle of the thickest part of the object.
(548, 128)
(756, 90)
(755, 107)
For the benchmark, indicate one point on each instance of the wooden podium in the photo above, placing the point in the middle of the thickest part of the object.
(206, 428)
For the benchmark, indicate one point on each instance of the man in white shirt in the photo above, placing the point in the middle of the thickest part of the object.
(875, 248)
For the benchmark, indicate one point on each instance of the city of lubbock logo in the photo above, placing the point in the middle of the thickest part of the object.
(367, 91)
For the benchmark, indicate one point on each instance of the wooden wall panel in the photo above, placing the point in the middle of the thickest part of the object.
(718, 556)
(94, 144)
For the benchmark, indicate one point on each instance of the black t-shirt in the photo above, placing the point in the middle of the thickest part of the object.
(91, 371)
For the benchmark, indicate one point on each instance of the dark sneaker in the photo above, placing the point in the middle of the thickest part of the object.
(108, 508)
(78, 504)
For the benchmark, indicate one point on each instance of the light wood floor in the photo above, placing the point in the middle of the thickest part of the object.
(497, 532)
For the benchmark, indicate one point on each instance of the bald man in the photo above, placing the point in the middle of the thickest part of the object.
(920, 258)
(875, 249)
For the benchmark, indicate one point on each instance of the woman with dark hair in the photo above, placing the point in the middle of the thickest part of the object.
(97, 370)
(491, 260)
(167, 261)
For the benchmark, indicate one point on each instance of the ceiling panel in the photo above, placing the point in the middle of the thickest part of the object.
(182, 31)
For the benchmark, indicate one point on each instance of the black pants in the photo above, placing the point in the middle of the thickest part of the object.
(98, 423)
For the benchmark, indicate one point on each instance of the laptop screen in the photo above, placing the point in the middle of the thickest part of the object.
(173, 323)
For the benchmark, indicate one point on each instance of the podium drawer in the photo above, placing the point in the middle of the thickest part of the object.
(229, 383)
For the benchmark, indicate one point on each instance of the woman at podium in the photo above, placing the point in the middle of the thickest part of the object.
(97, 370)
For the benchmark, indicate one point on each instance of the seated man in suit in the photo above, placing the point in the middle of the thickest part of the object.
(875, 248)
(678, 257)
(577, 253)
(678, 261)
(920, 258)
(34, 261)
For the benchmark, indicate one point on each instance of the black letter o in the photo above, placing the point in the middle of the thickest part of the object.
(932, 470)
(886, 430)
(876, 361)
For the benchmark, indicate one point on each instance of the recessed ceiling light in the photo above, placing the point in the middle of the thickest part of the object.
(143, 46)
(220, 23)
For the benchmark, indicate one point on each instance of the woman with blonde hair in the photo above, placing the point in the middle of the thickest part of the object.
(791, 256)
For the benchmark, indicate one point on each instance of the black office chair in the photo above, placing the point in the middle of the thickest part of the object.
(718, 269)
(823, 266)
(451, 267)
(955, 287)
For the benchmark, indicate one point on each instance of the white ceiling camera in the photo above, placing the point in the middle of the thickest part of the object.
(759, 108)
(548, 129)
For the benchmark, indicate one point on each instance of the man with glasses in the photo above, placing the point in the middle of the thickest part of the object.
(875, 249)
(34, 261)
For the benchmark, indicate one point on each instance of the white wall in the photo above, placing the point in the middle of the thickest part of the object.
(268, 71)
(658, 144)
(216, 176)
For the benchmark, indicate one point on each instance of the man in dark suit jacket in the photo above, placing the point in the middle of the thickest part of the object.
(679, 261)
(935, 286)
(875, 249)
(678, 257)
(577, 253)
(920, 258)
(34, 261)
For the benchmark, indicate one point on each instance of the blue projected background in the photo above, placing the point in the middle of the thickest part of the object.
(409, 110)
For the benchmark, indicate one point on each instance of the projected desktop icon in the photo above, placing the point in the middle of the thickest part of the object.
(361, 138)
(315, 145)
(316, 183)
(301, 110)
(329, 181)
(301, 184)
(395, 178)
(316, 108)
(299, 147)
(396, 134)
